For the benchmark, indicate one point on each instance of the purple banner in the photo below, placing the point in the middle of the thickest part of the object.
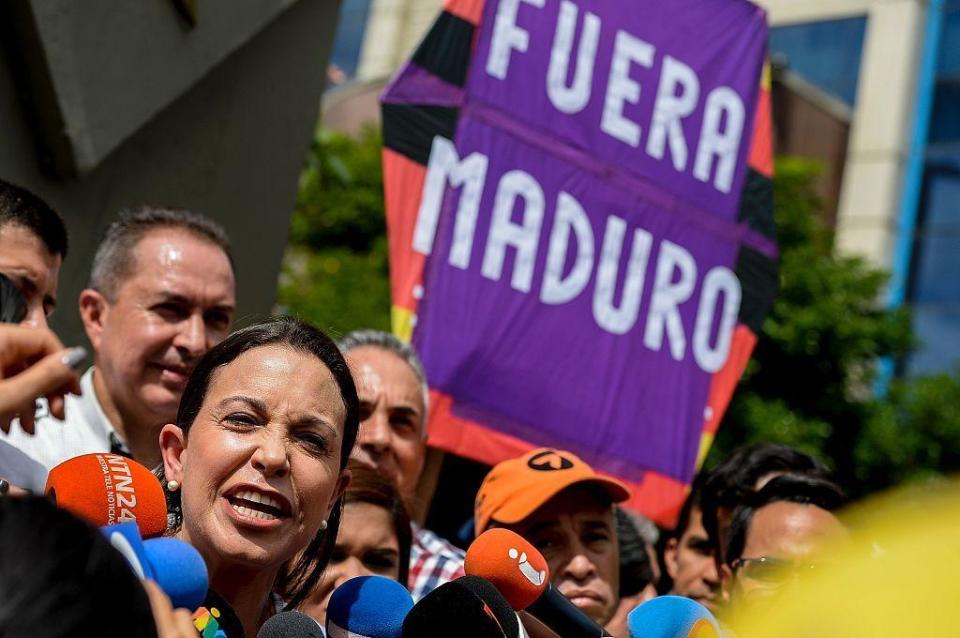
(581, 226)
(665, 89)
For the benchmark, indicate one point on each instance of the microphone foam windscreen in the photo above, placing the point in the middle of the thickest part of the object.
(106, 489)
(179, 570)
(672, 617)
(125, 538)
(290, 624)
(514, 566)
(369, 606)
(452, 609)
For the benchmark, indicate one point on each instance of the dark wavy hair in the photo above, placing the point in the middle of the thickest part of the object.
(298, 578)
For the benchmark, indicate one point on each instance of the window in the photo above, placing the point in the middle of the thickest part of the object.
(934, 291)
(348, 40)
(825, 54)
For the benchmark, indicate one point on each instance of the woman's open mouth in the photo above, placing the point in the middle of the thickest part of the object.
(257, 506)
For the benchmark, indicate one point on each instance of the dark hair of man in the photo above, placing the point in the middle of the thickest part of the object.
(20, 207)
(635, 569)
(296, 583)
(735, 479)
(59, 576)
(789, 488)
(369, 486)
(115, 259)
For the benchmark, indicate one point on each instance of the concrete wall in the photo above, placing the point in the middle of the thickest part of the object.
(231, 147)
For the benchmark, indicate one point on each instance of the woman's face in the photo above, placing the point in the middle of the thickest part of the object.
(261, 467)
(366, 545)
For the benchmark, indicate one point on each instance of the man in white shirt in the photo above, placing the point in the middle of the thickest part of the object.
(161, 294)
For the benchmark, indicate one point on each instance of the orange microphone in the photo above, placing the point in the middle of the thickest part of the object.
(519, 571)
(511, 564)
(106, 489)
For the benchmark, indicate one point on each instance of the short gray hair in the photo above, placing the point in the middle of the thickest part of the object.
(390, 343)
(115, 260)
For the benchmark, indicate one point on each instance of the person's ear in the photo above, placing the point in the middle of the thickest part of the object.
(94, 311)
(340, 489)
(727, 578)
(670, 558)
(173, 450)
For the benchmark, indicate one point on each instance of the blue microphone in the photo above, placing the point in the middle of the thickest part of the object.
(176, 567)
(125, 538)
(179, 570)
(672, 617)
(368, 607)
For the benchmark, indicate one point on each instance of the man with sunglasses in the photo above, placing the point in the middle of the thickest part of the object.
(777, 534)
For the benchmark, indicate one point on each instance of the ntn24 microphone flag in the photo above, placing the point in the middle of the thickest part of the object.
(580, 225)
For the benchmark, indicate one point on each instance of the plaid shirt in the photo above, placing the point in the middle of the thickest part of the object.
(433, 562)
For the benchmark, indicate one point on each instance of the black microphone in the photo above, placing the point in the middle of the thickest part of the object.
(468, 607)
(290, 624)
(559, 614)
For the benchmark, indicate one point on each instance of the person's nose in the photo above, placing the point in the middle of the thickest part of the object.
(36, 317)
(351, 568)
(374, 435)
(580, 568)
(711, 575)
(270, 456)
(192, 336)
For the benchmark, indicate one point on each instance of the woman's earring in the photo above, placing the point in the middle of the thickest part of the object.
(173, 486)
(323, 525)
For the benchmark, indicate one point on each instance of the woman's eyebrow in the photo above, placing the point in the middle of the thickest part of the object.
(258, 405)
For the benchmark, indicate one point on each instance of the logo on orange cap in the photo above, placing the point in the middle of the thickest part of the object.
(549, 461)
(516, 488)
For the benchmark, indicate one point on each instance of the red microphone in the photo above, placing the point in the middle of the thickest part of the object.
(106, 489)
(519, 571)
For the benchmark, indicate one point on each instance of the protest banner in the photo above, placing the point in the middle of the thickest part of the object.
(580, 220)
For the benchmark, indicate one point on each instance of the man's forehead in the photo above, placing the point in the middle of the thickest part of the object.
(577, 505)
(176, 261)
(784, 528)
(25, 254)
(378, 371)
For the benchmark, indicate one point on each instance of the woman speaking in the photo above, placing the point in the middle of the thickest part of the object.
(258, 458)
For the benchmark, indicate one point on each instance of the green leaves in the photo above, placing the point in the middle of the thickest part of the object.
(810, 381)
(335, 270)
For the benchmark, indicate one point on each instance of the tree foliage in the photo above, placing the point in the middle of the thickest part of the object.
(335, 271)
(809, 383)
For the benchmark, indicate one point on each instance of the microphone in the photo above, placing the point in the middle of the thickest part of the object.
(368, 607)
(672, 617)
(290, 624)
(519, 571)
(107, 489)
(176, 567)
(466, 608)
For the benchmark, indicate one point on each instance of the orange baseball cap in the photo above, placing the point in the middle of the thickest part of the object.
(515, 489)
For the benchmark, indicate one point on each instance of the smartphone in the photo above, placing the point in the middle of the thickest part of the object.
(13, 307)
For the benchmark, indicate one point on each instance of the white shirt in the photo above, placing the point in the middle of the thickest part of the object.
(25, 459)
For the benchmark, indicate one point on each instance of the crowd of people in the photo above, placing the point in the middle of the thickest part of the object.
(290, 461)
